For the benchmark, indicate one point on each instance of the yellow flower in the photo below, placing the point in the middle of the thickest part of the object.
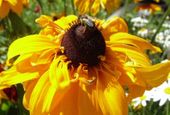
(152, 6)
(82, 66)
(93, 6)
(13, 5)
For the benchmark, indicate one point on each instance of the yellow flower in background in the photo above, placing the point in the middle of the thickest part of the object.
(152, 6)
(82, 66)
(93, 6)
(11, 5)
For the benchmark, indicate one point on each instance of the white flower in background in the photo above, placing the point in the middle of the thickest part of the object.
(144, 13)
(160, 38)
(167, 32)
(147, 96)
(139, 22)
(166, 24)
(166, 53)
(167, 41)
(162, 93)
(144, 32)
(164, 38)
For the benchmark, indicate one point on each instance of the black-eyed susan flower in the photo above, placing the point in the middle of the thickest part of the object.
(93, 6)
(80, 66)
(13, 5)
(150, 5)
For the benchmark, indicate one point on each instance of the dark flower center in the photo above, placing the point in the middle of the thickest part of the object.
(83, 43)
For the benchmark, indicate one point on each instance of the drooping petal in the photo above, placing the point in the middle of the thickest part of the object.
(30, 44)
(55, 82)
(66, 104)
(37, 91)
(86, 105)
(106, 93)
(135, 56)
(125, 38)
(111, 96)
(12, 77)
(154, 75)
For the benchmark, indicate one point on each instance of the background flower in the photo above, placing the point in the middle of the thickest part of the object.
(93, 6)
(11, 5)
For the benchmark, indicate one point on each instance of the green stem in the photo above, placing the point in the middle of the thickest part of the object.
(65, 7)
(20, 92)
(126, 6)
(143, 111)
(73, 8)
(167, 108)
(160, 24)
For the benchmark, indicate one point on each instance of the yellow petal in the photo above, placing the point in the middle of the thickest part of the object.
(85, 104)
(12, 77)
(105, 93)
(37, 91)
(17, 8)
(154, 75)
(113, 25)
(59, 68)
(4, 10)
(43, 57)
(136, 57)
(110, 94)
(28, 88)
(83, 6)
(44, 20)
(67, 105)
(112, 5)
(125, 38)
(95, 7)
(30, 44)
(1, 3)
(12, 2)
(65, 21)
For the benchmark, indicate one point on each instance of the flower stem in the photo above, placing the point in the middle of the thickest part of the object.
(126, 6)
(20, 92)
(73, 8)
(167, 108)
(160, 24)
(65, 7)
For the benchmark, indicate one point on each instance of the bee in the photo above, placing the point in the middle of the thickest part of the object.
(86, 20)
